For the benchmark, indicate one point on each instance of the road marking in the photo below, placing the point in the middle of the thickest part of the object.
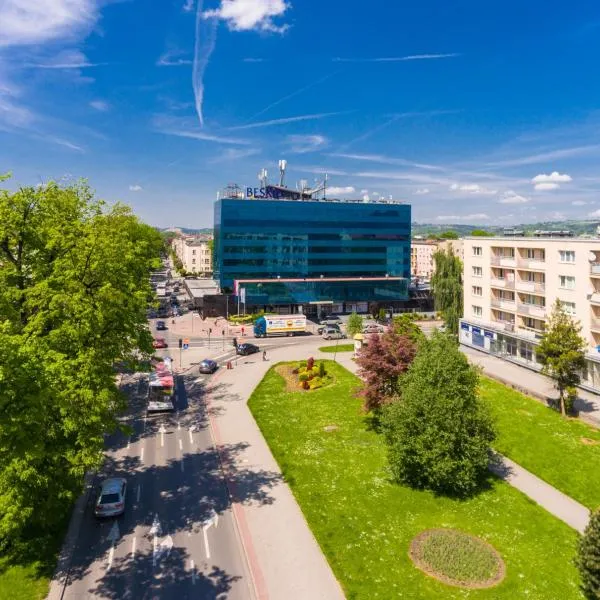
(155, 531)
(193, 569)
(162, 435)
(206, 548)
(128, 442)
(178, 425)
(142, 454)
(111, 553)
(139, 490)
(180, 445)
(212, 520)
(133, 547)
(113, 536)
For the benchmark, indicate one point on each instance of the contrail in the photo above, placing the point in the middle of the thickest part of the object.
(206, 36)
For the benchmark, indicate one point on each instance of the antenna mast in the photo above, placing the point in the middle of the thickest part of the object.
(282, 168)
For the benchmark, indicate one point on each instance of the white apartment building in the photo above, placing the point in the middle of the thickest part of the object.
(510, 286)
(421, 255)
(195, 254)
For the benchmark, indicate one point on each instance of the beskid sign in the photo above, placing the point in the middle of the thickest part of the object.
(271, 192)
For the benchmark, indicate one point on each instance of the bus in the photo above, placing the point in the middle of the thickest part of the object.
(161, 388)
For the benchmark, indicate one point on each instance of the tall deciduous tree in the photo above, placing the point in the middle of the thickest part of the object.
(355, 325)
(447, 287)
(404, 324)
(382, 362)
(588, 558)
(439, 434)
(74, 288)
(562, 351)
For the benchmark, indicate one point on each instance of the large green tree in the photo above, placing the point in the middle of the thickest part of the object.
(561, 351)
(588, 558)
(439, 433)
(355, 325)
(447, 287)
(73, 293)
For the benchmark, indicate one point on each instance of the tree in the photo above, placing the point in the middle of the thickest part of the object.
(447, 287)
(439, 434)
(355, 325)
(405, 325)
(74, 289)
(588, 558)
(481, 233)
(448, 235)
(561, 351)
(381, 362)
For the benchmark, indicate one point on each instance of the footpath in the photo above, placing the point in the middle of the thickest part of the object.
(554, 501)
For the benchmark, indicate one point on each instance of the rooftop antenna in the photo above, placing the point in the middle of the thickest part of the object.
(282, 168)
(262, 177)
(325, 188)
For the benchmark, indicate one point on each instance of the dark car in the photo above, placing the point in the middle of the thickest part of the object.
(246, 349)
(161, 326)
(208, 366)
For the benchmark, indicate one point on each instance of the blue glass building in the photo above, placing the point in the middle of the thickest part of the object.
(286, 252)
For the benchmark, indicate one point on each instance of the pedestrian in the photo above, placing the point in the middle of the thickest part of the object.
(243, 332)
(264, 355)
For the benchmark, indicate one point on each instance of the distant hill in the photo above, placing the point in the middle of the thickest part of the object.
(187, 230)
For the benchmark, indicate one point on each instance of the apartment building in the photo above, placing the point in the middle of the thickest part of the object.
(421, 255)
(195, 254)
(510, 286)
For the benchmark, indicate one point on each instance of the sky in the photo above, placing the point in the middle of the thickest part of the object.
(472, 112)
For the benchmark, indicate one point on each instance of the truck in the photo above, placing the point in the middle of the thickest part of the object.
(279, 325)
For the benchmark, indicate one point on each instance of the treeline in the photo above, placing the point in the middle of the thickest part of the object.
(74, 289)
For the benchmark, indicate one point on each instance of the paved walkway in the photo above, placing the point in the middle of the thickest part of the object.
(532, 383)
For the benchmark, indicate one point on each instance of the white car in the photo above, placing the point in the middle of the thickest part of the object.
(333, 333)
(373, 329)
(111, 498)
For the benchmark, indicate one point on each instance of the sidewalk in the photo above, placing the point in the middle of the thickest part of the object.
(532, 383)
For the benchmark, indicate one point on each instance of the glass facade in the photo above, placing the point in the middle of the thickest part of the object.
(271, 239)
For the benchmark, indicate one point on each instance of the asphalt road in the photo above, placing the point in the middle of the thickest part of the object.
(178, 538)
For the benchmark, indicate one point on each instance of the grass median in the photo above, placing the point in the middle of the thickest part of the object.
(338, 348)
(564, 452)
(365, 523)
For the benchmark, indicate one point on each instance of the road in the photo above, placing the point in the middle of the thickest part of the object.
(177, 538)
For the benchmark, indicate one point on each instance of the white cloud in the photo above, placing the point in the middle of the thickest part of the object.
(364, 191)
(135, 188)
(472, 217)
(473, 188)
(422, 191)
(173, 58)
(205, 137)
(579, 203)
(100, 105)
(301, 144)
(235, 154)
(285, 120)
(554, 177)
(66, 59)
(31, 22)
(511, 197)
(595, 214)
(398, 58)
(246, 15)
(340, 191)
(545, 187)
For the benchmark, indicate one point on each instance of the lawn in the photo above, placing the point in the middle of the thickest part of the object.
(564, 452)
(22, 582)
(339, 348)
(364, 523)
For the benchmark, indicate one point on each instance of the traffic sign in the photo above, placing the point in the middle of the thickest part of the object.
(186, 343)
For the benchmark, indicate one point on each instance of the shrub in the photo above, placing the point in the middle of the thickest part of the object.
(311, 374)
(310, 363)
(303, 377)
(588, 558)
(570, 398)
(316, 383)
(322, 371)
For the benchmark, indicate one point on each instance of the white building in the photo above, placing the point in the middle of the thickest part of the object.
(421, 255)
(510, 286)
(195, 254)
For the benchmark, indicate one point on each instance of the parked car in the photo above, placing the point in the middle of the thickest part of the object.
(322, 328)
(208, 366)
(246, 349)
(330, 320)
(159, 342)
(333, 333)
(111, 498)
(373, 329)
(161, 326)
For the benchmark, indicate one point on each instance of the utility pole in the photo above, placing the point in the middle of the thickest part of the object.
(180, 351)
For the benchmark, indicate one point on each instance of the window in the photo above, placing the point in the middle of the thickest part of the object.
(193, 261)
(207, 261)
(566, 282)
(477, 272)
(477, 251)
(530, 253)
(569, 307)
(477, 311)
(567, 256)
(193, 251)
(477, 290)
(534, 300)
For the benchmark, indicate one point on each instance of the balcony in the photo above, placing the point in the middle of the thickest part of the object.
(531, 287)
(595, 269)
(502, 261)
(506, 284)
(595, 324)
(594, 298)
(503, 304)
(533, 310)
(531, 264)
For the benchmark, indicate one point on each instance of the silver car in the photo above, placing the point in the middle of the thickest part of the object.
(333, 333)
(111, 498)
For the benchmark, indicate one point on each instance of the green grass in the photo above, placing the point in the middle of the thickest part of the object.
(340, 348)
(22, 582)
(545, 443)
(458, 556)
(364, 523)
